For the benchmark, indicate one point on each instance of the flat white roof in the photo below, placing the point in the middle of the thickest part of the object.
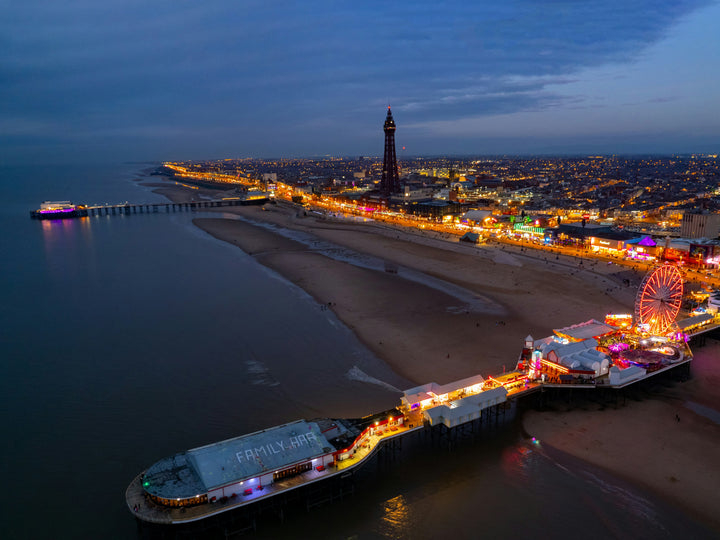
(696, 319)
(467, 406)
(476, 215)
(627, 373)
(588, 329)
(419, 393)
(258, 453)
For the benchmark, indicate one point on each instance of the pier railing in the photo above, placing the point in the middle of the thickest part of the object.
(414, 421)
(151, 208)
(146, 510)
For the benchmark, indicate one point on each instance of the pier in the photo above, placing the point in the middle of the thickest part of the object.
(151, 208)
(152, 513)
(698, 336)
(464, 409)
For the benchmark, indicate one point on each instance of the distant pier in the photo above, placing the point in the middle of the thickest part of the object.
(150, 208)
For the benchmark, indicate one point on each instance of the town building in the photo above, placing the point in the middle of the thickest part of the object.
(700, 225)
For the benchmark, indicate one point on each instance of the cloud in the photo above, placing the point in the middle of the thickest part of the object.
(260, 67)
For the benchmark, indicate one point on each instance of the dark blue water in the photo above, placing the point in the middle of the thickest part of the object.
(127, 338)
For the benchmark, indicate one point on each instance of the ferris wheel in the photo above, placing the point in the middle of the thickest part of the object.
(659, 298)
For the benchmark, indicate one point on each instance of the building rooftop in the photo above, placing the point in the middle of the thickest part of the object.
(202, 469)
(173, 477)
(465, 409)
(419, 393)
(588, 329)
(695, 319)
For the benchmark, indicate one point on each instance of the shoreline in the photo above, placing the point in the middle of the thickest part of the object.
(423, 335)
(621, 480)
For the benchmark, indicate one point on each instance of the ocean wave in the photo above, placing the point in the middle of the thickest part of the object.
(702, 410)
(259, 373)
(474, 302)
(357, 374)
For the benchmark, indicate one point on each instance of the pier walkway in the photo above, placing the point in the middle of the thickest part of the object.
(515, 383)
(148, 511)
(150, 208)
(704, 329)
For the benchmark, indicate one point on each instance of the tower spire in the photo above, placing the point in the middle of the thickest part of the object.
(390, 182)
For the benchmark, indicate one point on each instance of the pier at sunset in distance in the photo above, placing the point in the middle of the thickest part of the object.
(360, 270)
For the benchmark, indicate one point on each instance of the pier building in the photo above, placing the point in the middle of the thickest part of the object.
(58, 210)
(464, 410)
(425, 395)
(234, 466)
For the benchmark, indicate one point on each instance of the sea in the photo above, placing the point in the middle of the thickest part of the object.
(127, 338)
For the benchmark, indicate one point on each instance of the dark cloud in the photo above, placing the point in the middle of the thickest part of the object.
(245, 71)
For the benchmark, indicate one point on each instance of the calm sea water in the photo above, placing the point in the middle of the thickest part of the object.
(128, 338)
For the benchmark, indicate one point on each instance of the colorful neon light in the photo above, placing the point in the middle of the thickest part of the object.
(659, 299)
(623, 320)
(553, 365)
(56, 211)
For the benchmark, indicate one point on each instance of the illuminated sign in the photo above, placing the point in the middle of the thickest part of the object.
(277, 447)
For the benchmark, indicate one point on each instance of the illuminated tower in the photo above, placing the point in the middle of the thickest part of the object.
(390, 183)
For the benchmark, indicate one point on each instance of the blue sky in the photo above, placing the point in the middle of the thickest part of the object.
(175, 79)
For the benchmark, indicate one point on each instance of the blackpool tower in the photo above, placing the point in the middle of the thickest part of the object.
(390, 182)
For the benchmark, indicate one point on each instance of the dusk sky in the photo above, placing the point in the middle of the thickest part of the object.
(135, 80)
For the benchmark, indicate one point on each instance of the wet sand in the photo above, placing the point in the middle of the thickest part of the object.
(425, 334)
(421, 331)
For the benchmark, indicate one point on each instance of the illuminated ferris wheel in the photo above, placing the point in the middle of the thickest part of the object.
(658, 299)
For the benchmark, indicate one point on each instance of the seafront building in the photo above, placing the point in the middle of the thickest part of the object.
(637, 209)
(700, 225)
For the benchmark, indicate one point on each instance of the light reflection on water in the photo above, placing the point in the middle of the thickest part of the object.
(395, 522)
(63, 241)
(502, 486)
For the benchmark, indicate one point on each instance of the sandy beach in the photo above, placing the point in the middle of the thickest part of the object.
(467, 312)
(453, 310)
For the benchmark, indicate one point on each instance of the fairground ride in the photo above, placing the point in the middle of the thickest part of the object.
(658, 300)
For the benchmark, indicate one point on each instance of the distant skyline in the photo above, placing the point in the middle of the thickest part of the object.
(173, 79)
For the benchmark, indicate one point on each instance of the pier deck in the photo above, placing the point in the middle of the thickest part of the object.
(127, 208)
(146, 510)
(153, 208)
